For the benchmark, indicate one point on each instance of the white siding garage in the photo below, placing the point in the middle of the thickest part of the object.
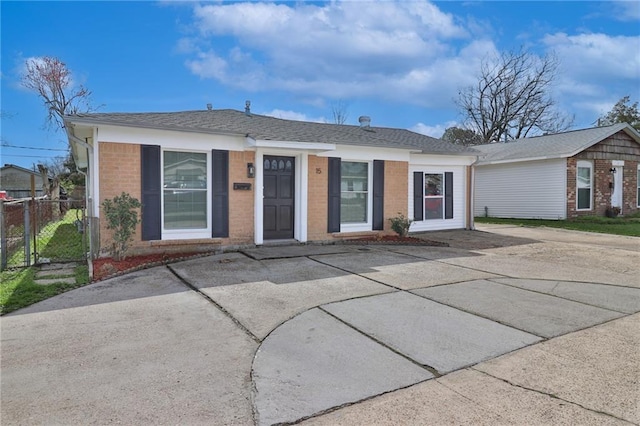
(457, 179)
(525, 190)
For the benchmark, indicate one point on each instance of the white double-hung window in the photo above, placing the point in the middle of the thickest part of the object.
(185, 191)
(584, 185)
(355, 191)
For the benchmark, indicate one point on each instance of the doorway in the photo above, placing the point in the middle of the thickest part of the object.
(616, 194)
(279, 197)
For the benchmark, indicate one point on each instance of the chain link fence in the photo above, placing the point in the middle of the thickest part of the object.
(42, 231)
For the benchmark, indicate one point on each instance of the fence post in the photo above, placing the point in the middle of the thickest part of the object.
(27, 235)
(3, 238)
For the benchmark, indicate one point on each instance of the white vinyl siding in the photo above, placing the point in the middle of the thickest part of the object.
(459, 193)
(534, 189)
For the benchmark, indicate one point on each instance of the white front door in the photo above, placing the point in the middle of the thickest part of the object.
(616, 194)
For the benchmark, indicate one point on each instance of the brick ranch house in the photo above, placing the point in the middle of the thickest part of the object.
(213, 179)
(565, 175)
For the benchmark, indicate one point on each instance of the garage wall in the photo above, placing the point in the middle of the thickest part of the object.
(530, 189)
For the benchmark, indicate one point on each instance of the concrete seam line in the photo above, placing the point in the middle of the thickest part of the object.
(354, 273)
(560, 297)
(430, 369)
(214, 303)
(550, 395)
(452, 264)
(477, 314)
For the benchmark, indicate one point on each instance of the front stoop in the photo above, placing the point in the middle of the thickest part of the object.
(55, 273)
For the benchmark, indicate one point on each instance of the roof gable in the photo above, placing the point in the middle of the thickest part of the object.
(260, 127)
(559, 145)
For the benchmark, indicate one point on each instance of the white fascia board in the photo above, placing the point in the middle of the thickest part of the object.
(441, 160)
(307, 146)
(521, 160)
(367, 153)
(170, 139)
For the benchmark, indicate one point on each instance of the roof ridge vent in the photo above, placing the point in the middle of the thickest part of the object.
(365, 121)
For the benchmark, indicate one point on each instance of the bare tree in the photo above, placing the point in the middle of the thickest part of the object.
(459, 136)
(340, 111)
(622, 113)
(512, 98)
(50, 78)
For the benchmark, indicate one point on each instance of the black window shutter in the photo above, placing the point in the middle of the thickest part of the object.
(418, 196)
(335, 176)
(448, 195)
(151, 192)
(220, 193)
(378, 195)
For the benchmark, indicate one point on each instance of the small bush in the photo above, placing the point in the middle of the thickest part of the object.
(400, 224)
(122, 218)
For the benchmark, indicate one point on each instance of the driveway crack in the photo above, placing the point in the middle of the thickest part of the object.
(214, 303)
(551, 395)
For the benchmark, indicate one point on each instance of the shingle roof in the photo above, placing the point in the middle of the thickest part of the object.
(560, 145)
(260, 127)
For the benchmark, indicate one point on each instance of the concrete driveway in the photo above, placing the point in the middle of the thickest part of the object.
(507, 325)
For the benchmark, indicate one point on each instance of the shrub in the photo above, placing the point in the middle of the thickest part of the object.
(400, 224)
(122, 218)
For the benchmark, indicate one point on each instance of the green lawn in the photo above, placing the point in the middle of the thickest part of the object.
(58, 241)
(628, 225)
(18, 289)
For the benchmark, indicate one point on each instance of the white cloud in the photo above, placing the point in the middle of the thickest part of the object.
(596, 70)
(434, 131)
(626, 10)
(593, 55)
(392, 50)
(293, 115)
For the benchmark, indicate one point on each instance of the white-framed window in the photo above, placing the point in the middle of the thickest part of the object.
(434, 196)
(584, 185)
(355, 195)
(638, 184)
(185, 191)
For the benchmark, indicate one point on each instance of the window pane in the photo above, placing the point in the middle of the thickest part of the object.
(185, 209)
(185, 190)
(584, 198)
(354, 186)
(584, 177)
(432, 184)
(433, 208)
(353, 207)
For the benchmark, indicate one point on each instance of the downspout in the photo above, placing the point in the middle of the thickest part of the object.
(471, 184)
(89, 202)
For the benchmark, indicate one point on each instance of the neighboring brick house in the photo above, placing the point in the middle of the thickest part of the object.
(565, 175)
(219, 178)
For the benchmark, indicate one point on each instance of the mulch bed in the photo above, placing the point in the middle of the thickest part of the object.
(107, 267)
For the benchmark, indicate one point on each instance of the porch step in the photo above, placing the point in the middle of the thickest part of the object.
(55, 273)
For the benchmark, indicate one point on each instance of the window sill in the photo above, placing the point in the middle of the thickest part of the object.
(193, 242)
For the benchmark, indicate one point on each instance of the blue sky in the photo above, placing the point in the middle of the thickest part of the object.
(401, 63)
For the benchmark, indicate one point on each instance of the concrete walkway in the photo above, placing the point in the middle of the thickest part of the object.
(498, 332)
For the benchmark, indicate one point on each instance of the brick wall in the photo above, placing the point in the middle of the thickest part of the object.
(241, 210)
(395, 197)
(602, 180)
(396, 178)
(317, 202)
(119, 172)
